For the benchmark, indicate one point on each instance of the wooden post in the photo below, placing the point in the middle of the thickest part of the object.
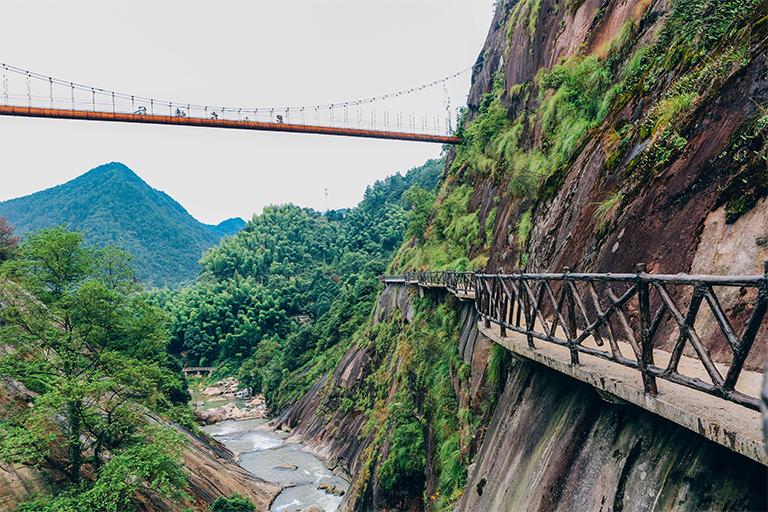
(649, 381)
(571, 317)
(530, 316)
(501, 305)
(753, 325)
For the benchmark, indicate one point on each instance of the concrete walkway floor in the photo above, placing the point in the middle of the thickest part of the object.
(731, 425)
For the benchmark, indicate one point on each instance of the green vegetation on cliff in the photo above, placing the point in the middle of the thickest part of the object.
(111, 205)
(411, 401)
(522, 139)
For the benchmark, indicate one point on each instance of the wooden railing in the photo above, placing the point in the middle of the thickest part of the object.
(640, 312)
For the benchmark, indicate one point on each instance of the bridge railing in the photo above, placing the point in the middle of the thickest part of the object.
(405, 277)
(433, 278)
(198, 369)
(456, 282)
(649, 321)
(460, 282)
(637, 313)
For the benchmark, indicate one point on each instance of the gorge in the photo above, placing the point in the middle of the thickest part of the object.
(600, 136)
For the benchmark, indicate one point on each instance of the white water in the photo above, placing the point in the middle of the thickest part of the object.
(261, 452)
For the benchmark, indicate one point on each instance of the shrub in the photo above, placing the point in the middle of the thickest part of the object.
(235, 503)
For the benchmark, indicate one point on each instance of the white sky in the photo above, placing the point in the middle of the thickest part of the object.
(254, 53)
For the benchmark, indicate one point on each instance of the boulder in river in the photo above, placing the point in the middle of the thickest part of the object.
(208, 417)
(211, 391)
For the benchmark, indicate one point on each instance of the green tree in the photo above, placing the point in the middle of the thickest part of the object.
(235, 503)
(8, 241)
(291, 261)
(422, 206)
(91, 354)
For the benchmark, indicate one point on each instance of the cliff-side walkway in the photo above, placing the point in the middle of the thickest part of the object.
(658, 330)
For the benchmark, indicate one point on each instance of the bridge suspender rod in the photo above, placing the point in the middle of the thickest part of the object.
(7, 110)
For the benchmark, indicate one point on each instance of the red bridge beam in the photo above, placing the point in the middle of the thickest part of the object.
(89, 115)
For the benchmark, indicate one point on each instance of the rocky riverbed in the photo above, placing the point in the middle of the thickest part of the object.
(237, 420)
(309, 485)
(223, 401)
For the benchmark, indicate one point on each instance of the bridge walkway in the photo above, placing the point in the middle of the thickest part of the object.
(735, 423)
(198, 370)
(731, 425)
(29, 94)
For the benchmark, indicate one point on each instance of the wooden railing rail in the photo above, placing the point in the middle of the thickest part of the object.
(642, 311)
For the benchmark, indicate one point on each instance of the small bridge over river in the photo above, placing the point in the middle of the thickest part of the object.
(198, 371)
(675, 345)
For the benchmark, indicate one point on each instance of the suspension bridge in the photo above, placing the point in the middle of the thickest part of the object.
(29, 94)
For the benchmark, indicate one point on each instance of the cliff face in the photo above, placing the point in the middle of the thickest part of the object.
(599, 134)
(362, 444)
(666, 166)
(554, 444)
(659, 218)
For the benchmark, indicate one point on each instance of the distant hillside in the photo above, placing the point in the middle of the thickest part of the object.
(227, 227)
(116, 207)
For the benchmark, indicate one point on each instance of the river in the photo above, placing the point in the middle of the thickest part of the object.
(263, 452)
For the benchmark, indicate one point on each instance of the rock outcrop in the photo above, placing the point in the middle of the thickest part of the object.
(18, 483)
(554, 444)
(255, 409)
(213, 471)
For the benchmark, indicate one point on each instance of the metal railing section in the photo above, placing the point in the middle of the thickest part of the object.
(642, 311)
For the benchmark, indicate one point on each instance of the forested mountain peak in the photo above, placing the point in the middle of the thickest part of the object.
(114, 206)
(227, 227)
(112, 170)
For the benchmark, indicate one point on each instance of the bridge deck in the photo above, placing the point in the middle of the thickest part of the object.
(89, 115)
(198, 369)
(731, 425)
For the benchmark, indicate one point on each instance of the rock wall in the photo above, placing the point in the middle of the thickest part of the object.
(699, 209)
(554, 444)
(336, 436)
(18, 483)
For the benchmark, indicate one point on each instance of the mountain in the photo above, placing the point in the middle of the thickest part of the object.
(227, 227)
(114, 206)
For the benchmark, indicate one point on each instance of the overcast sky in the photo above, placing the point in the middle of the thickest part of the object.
(247, 54)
